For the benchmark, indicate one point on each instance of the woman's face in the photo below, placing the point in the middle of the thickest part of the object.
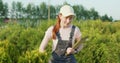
(66, 21)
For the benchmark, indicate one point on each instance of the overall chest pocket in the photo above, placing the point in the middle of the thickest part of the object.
(61, 47)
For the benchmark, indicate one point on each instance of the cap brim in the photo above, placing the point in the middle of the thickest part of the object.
(69, 14)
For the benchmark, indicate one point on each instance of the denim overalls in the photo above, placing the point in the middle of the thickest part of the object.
(58, 55)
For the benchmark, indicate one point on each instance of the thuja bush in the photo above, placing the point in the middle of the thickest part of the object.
(34, 57)
(8, 52)
(99, 52)
(19, 43)
(103, 44)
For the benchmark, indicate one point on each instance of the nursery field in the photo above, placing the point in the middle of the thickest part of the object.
(19, 42)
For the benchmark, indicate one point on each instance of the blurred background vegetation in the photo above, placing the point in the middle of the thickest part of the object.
(45, 11)
(19, 42)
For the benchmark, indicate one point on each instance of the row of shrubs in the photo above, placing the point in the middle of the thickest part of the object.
(19, 44)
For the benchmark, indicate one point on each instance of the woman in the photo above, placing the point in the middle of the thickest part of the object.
(63, 35)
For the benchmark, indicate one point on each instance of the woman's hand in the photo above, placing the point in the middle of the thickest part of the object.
(70, 50)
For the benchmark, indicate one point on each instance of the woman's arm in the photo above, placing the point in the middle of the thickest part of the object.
(44, 43)
(46, 39)
(80, 46)
(77, 39)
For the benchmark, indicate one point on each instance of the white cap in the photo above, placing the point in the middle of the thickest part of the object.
(67, 10)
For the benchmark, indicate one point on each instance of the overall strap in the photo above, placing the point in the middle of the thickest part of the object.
(58, 35)
(71, 35)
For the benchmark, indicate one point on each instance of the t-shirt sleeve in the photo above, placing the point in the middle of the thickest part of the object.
(78, 36)
(48, 33)
(78, 33)
(47, 37)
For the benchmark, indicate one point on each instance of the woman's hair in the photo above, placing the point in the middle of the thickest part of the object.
(56, 28)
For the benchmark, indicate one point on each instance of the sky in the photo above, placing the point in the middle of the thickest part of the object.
(109, 7)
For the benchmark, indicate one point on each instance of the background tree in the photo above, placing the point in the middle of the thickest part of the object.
(106, 18)
(52, 12)
(57, 9)
(40, 11)
(13, 10)
(79, 11)
(5, 10)
(1, 9)
(29, 11)
(19, 9)
(93, 14)
(110, 18)
(44, 10)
